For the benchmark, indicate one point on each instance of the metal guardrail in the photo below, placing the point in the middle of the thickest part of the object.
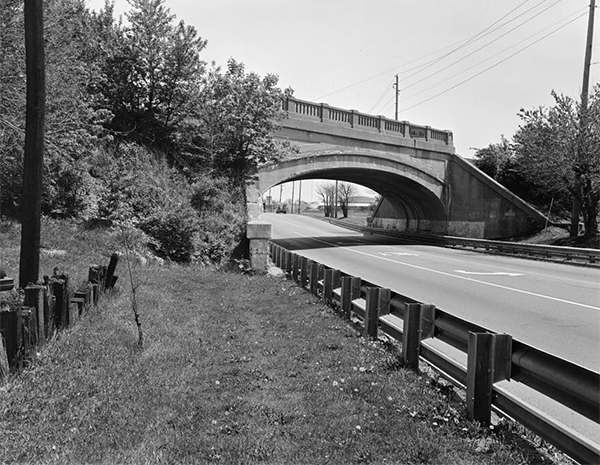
(576, 387)
(569, 255)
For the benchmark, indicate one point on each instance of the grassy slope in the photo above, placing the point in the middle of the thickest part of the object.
(236, 369)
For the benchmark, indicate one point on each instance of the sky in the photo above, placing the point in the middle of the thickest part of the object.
(468, 66)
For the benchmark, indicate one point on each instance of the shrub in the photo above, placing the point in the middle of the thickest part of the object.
(174, 230)
(222, 215)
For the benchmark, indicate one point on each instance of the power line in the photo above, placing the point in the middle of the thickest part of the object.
(493, 66)
(435, 60)
(480, 35)
(380, 97)
(461, 44)
(483, 46)
(504, 50)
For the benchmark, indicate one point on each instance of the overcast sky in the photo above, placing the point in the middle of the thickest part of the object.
(464, 65)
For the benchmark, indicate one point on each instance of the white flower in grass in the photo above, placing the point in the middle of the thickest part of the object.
(335, 383)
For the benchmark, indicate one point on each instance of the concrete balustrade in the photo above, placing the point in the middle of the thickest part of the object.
(302, 109)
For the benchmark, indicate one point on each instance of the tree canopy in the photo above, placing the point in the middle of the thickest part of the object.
(553, 158)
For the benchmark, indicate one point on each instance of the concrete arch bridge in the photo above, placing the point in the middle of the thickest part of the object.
(425, 185)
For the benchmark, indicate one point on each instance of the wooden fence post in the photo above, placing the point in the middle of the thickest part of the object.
(372, 311)
(49, 313)
(411, 336)
(10, 326)
(59, 287)
(111, 279)
(480, 369)
(34, 297)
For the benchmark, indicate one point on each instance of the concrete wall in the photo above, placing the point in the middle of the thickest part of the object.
(479, 207)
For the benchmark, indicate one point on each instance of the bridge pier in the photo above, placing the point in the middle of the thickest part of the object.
(259, 234)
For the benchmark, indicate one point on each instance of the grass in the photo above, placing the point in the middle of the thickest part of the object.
(236, 369)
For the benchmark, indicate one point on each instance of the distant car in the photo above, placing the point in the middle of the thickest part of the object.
(281, 209)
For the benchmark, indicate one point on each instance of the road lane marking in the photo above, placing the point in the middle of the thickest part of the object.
(466, 278)
(492, 273)
(399, 254)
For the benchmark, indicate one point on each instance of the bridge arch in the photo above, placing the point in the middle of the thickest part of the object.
(413, 195)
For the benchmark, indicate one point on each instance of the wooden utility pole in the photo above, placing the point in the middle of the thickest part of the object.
(576, 209)
(31, 201)
(397, 91)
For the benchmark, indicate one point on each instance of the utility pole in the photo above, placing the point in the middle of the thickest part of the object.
(397, 92)
(335, 202)
(299, 195)
(292, 206)
(576, 209)
(31, 201)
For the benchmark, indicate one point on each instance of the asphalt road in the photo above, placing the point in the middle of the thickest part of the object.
(553, 307)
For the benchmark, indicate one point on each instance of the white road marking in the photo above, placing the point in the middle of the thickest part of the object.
(534, 294)
(492, 273)
(399, 254)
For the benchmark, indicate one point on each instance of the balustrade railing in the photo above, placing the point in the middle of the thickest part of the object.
(320, 112)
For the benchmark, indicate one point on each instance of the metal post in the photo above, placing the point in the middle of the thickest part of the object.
(480, 369)
(371, 311)
(411, 336)
(346, 296)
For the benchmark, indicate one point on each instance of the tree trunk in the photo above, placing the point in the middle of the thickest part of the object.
(31, 203)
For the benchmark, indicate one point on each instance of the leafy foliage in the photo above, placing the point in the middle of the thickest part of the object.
(138, 132)
(559, 151)
(232, 132)
(152, 70)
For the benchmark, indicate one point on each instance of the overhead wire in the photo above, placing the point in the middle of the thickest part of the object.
(483, 46)
(480, 35)
(578, 12)
(381, 97)
(426, 65)
(494, 65)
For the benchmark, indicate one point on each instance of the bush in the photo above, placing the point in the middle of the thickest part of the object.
(174, 231)
(222, 215)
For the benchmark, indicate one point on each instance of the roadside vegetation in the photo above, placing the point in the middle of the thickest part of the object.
(235, 368)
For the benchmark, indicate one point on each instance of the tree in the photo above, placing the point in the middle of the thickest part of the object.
(493, 159)
(152, 71)
(554, 151)
(345, 193)
(327, 193)
(232, 131)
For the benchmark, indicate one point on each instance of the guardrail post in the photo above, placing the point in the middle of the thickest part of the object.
(314, 278)
(303, 271)
(288, 263)
(346, 296)
(480, 375)
(411, 336)
(295, 267)
(385, 297)
(331, 281)
(372, 311)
